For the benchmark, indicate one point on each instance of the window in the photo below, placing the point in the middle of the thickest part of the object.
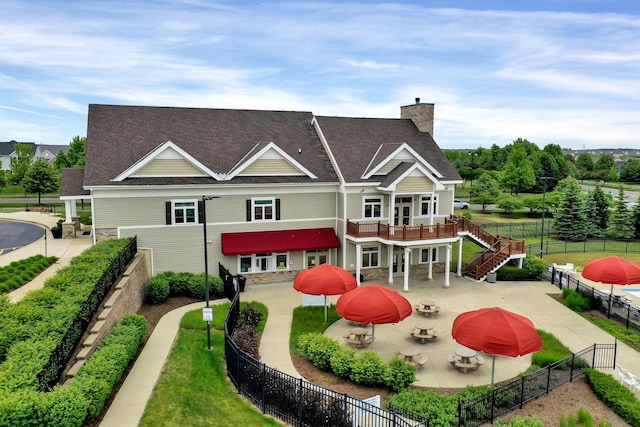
(429, 205)
(263, 209)
(372, 207)
(256, 263)
(370, 256)
(182, 212)
(424, 255)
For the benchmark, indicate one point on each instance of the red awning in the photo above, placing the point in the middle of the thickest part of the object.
(256, 242)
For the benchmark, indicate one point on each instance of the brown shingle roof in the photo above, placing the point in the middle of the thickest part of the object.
(354, 142)
(71, 182)
(118, 136)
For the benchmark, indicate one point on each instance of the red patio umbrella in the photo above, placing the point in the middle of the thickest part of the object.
(612, 270)
(324, 279)
(373, 304)
(496, 331)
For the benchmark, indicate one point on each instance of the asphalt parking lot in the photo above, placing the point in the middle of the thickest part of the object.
(14, 235)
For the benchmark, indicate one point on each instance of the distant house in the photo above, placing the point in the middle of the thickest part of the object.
(282, 191)
(40, 151)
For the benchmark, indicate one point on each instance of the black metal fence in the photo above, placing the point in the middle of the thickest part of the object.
(592, 245)
(605, 302)
(300, 403)
(515, 395)
(520, 230)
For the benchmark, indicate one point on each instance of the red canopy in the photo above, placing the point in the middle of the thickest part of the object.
(373, 304)
(325, 279)
(496, 331)
(612, 270)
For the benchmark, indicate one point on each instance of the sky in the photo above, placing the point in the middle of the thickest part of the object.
(563, 72)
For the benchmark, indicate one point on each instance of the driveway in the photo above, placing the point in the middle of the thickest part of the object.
(14, 235)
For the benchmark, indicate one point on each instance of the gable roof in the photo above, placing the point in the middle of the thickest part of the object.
(71, 182)
(360, 146)
(218, 139)
(7, 148)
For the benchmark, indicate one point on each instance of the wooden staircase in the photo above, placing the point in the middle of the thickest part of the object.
(498, 250)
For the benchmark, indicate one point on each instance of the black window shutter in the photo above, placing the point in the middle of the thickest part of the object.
(277, 209)
(167, 208)
(200, 211)
(248, 209)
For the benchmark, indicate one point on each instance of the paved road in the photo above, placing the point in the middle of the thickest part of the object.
(14, 235)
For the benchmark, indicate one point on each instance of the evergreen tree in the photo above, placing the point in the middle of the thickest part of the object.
(601, 206)
(570, 216)
(593, 216)
(621, 222)
(636, 220)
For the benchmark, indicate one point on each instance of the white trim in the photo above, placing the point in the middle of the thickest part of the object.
(417, 157)
(327, 148)
(152, 155)
(242, 164)
(437, 185)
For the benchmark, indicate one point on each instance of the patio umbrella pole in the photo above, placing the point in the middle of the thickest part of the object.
(493, 366)
(610, 297)
(325, 309)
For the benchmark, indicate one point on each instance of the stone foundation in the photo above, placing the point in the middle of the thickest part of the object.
(68, 230)
(103, 234)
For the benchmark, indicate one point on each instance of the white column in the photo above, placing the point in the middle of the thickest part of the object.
(68, 211)
(520, 260)
(447, 266)
(407, 265)
(459, 256)
(430, 270)
(390, 263)
(358, 261)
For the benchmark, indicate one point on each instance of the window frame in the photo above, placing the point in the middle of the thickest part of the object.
(368, 251)
(255, 205)
(270, 257)
(434, 255)
(431, 203)
(174, 209)
(370, 201)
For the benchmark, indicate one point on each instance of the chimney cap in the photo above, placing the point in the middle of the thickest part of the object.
(417, 100)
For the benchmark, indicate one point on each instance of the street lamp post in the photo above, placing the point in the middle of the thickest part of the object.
(544, 193)
(207, 314)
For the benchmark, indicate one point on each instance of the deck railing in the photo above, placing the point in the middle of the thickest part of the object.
(402, 232)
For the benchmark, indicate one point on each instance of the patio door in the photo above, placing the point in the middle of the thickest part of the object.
(398, 260)
(402, 211)
(316, 258)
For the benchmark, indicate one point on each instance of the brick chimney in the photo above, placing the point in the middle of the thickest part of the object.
(421, 114)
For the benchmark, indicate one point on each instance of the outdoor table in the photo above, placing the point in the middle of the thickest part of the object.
(465, 354)
(409, 353)
(424, 328)
(359, 333)
(430, 304)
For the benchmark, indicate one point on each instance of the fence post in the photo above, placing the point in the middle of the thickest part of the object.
(615, 353)
(264, 389)
(459, 413)
(345, 412)
(573, 357)
(493, 404)
(300, 404)
(521, 392)
(548, 377)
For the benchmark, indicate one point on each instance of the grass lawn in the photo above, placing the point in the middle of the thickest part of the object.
(193, 389)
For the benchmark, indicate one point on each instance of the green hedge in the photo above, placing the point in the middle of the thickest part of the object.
(40, 332)
(84, 397)
(169, 283)
(615, 395)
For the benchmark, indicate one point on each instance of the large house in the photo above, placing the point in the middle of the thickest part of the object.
(40, 151)
(281, 191)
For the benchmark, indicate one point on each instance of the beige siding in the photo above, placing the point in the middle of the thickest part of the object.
(169, 167)
(271, 167)
(129, 211)
(414, 184)
(389, 166)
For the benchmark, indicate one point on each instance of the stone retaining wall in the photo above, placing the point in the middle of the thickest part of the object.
(127, 298)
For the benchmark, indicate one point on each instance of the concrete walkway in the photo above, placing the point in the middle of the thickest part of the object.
(530, 299)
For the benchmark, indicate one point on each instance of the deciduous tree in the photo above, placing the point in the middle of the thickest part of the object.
(518, 174)
(485, 191)
(41, 177)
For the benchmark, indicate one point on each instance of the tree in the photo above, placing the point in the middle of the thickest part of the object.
(591, 211)
(630, 171)
(570, 216)
(584, 162)
(621, 222)
(635, 216)
(61, 161)
(509, 204)
(20, 163)
(605, 162)
(76, 152)
(518, 174)
(601, 206)
(40, 178)
(485, 191)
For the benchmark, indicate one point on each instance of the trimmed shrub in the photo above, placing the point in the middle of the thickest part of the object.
(342, 360)
(616, 396)
(319, 350)
(369, 369)
(400, 374)
(304, 340)
(158, 290)
(520, 421)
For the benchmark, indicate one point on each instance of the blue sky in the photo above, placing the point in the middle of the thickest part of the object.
(551, 71)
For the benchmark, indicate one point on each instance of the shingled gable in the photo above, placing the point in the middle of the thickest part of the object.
(405, 169)
(384, 161)
(354, 142)
(220, 140)
(269, 159)
(167, 160)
